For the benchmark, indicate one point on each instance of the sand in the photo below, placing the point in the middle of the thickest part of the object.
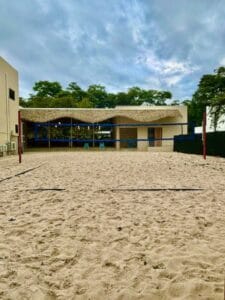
(89, 242)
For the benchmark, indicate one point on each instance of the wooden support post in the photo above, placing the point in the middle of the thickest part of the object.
(71, 132)
(93, 135)
(49, 135)
(19, 137)
(204, 135)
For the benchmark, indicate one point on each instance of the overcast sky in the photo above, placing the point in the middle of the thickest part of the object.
(154, 44)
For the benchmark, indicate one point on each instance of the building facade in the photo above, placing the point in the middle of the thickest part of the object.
(9, 104)
(145, 128)
(150, 128)
(209, 123)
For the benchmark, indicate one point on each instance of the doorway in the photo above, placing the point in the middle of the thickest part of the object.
(155, 133)
(128, 137)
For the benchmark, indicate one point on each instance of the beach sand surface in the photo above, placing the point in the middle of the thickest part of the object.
(84, 225)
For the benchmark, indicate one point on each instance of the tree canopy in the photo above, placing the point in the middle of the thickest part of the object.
(210, 92)
(51, 94)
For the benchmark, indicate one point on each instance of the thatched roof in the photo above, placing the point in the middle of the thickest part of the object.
(92, 115)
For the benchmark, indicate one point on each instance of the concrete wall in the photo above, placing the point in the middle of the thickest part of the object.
(95, 115)
(171, 131)
(142, 134)
(8, 107)
(167, 131)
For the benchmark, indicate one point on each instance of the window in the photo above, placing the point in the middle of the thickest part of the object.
(11, 94)
(16, 128)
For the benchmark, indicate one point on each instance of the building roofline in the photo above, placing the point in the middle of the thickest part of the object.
(6, 62)
(118, 108)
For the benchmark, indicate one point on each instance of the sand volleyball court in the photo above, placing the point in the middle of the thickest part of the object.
(85, 225)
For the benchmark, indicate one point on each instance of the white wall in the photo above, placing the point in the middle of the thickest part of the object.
(209, 123)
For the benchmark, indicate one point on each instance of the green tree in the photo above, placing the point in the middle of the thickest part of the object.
(191, 114)
(85, 103)
(202, 97)
(22, 102)
(160, 97)
(76, 91)
(122, 99)
(51, 94)
(63, 102)
(210, 92)
(175, 102)
(47, 88)
(137, 96)
(134, 95)
(40, 102)
(97, 95)
(218, 102)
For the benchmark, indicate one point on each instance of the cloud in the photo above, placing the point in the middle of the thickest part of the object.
(167, 72)
(222, 62)
(154, 44)
(172, 80)
(165, 67)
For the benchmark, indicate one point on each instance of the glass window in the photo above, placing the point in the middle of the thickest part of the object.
(11, 94)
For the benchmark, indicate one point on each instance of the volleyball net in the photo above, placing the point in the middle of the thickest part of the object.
(59, 132)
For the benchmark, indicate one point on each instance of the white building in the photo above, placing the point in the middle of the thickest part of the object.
(209, 123)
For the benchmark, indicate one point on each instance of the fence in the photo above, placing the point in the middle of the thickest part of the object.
(215, 144)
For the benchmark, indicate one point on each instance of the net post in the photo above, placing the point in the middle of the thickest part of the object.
(204, 134)
(93, 135)
(19, 138)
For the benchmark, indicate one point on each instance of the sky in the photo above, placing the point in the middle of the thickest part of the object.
(153, 44)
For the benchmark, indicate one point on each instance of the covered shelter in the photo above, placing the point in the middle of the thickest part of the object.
(145, 128)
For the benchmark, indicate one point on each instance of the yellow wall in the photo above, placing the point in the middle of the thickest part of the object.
(8, 107)
(142, 134)
(167, 131)
(170, 131)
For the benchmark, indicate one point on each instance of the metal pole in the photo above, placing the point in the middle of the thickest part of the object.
(49, 142)
(204, 135)
(19, 138)
(71, 133)
(93, 135)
